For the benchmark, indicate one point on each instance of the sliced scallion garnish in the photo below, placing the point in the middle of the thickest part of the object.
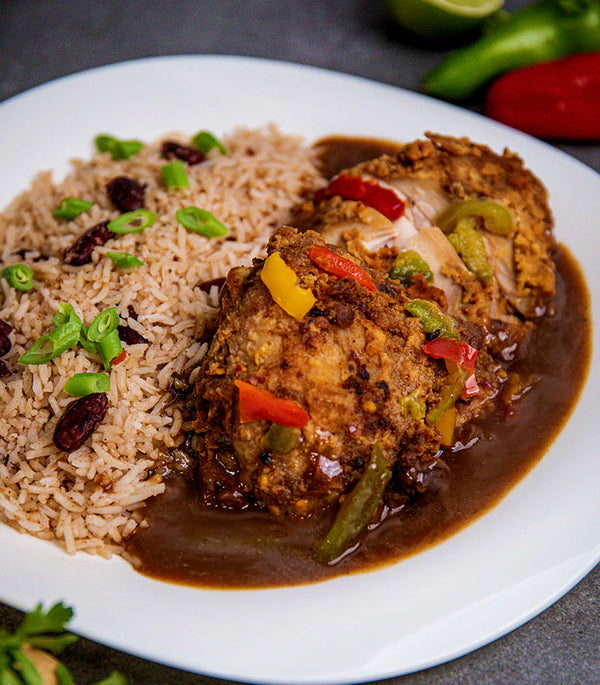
(51, 345)
(106, 322)
(124, 260)
(119, 149)
(110, 348)
(66, 314)
(174, 175)
(202, 222)
(19, 276)
(87, 383)
(71, 208)
(205, 142)
(132, 222)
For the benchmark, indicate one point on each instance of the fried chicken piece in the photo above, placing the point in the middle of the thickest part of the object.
(351, 363)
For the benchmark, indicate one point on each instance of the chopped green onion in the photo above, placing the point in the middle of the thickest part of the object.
(200, 221)
(85, 342)
(66, 314)
(71, 208)
(174, 175)
(110, 348)
(132, 222)
(87, 383)
(19, 276)
(124, 260)
(205, 142)
(104, 324)
(119, 149)
(51, 345)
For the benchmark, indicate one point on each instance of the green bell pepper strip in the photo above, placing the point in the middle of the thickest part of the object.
(407, 264)
(470, 246)
(540, 32)
(432, 318)
(358, 507)
(496, 217)
(450, 393)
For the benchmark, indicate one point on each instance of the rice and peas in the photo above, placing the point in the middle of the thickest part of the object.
(92, 499)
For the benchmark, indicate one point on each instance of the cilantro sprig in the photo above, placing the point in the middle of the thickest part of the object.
(44, 631)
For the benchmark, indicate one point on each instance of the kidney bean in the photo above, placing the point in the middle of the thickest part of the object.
(126, 193)
(129, 336)
(5, 343)
(81, 250)
(172, 150)
(79, 421)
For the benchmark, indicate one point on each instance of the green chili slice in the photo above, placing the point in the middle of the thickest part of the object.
(132, 222)
(71, 208)
(19, 276)
(202, 222)
(407, 264)
(450, 393)
(432, 318)
(51, 345)
(106, 322)
(205, 142)
(174, 175)
(470, 246)
(110, 348)
(358, 507)
(124, 260)
(87, 383)
(119, 149)
(496, 217)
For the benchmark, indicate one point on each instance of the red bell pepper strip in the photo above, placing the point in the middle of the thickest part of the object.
(120, 358)
(384, 200)
(339, 266)
(555, 100)
(460, 353)
(256, 404)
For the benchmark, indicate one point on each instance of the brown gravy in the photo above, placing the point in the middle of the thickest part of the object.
(184, 543)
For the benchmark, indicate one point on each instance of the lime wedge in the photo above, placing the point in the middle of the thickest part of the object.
(441, 19)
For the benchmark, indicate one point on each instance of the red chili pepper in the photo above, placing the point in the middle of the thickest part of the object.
(558, 99)
(256, 404)
(460, 353)
(384, 200)
(339, 266)
(120, 358)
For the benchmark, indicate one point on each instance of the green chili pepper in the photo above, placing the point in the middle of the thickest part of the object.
(106, 322)
(205, 142)
(51, 345)
(496, 217)
(71, 208)
(407, 264)
(87, 383)
(432, 318)
(450, 393)
(543, 31)
(414, 405)
(119, 149)
(282, 439)
(174, 175)
(471, 249)
(202, 222)
(358, 507)
(19, 276)
(132, 222)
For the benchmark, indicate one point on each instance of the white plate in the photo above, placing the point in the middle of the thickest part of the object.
(481, 583)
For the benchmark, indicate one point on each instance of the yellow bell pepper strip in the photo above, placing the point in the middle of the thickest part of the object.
(446, 426)
(432, 318)
(496, 216)
(470, 247)
(280, 280)
(257, 404)
(357, 508)
(339, 266)
(407, 264)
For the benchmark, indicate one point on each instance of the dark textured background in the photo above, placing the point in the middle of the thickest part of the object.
(46, 39)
